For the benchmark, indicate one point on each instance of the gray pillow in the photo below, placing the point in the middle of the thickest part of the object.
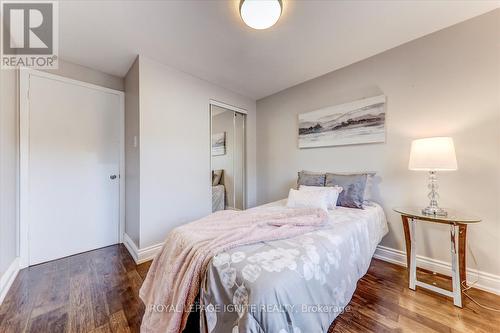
(354, 186)
(311, 178)
(216, 177)
(368, 196)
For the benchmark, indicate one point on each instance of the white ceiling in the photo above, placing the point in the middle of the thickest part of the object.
(209, 40)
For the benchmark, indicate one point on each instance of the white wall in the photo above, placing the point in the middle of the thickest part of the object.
(444, 84)
(132, 153)
(175, 148)
(8, 168)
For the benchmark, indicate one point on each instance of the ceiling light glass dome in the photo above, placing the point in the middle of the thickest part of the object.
(260, 14)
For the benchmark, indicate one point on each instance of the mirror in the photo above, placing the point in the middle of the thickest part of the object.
(227, 158)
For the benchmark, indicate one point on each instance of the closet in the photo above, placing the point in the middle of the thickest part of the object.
(227, 153)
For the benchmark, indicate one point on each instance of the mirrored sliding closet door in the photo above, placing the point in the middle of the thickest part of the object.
(227, 158)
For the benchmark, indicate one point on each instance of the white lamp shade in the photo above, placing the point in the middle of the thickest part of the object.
(433, 154)
(260, 14)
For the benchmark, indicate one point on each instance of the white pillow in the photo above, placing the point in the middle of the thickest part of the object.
(307, 199)
(333, 193)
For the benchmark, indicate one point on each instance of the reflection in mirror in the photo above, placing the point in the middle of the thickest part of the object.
(227, 159)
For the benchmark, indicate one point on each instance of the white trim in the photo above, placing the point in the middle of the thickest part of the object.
(121, 228)
(8, 278)
(141, 255)
(72, 81)
(23, 167)
(228, 106)
(24, 81)
(131, 247)
(487, 281)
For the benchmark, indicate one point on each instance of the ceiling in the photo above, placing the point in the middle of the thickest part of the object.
(208, 39)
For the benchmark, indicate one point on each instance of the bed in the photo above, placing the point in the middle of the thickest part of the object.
(299, 284)
(218, 190)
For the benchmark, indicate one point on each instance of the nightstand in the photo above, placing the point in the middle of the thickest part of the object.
(458, 230)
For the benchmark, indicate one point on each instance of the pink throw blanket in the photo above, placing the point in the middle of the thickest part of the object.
(173, 281)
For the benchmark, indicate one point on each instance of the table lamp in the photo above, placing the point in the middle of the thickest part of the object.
(433, 155)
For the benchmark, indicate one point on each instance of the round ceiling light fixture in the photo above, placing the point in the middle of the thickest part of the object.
(260, 14)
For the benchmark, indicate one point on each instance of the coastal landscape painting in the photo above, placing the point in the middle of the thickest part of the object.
(357, 122)
(219, 144)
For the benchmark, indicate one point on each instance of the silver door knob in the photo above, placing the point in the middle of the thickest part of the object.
(112, 177)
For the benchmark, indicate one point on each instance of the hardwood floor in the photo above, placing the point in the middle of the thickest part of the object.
(97, 292)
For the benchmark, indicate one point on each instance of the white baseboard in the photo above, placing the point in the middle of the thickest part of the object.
(141, 255)
(8, 278)
(485, 281)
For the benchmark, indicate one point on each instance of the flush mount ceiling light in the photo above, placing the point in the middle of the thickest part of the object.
(260, 14)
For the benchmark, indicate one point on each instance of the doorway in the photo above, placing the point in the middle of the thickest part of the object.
(71, 159)
(228, 125)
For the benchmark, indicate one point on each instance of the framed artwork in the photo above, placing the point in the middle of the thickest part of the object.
(357, 122)
(219, 144)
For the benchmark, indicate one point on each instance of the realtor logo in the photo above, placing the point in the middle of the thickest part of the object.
(29, 34)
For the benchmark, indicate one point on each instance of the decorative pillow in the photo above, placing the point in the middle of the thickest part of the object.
(216, 177)
(333, 193)
(307, 199)
(354, 186)
(311, 178)
(369, 186)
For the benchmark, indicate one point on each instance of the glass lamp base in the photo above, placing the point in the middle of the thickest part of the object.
(433, 208)
(434, 211)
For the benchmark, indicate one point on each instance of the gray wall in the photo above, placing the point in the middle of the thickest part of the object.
(86, 74)
(132, 153)
(444, 84)
(175, 148)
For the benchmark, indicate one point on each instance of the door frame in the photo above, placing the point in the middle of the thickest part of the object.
(240, 111)
(24, 126)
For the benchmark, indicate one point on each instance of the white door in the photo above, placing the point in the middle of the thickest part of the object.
(74, 157)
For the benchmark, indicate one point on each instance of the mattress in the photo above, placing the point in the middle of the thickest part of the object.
(295, 285)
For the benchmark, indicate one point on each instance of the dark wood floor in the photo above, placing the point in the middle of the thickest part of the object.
(97, 291)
